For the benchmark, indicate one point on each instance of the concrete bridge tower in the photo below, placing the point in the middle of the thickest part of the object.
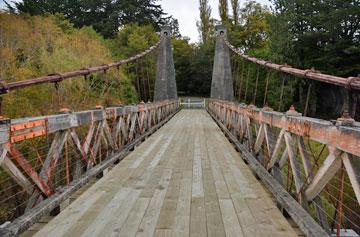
(222, 83)
(165, 84)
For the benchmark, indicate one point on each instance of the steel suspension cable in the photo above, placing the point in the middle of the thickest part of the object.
(350, 82)
(58, 77)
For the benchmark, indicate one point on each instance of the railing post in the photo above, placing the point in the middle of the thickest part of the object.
(165, 84)
(222, 82)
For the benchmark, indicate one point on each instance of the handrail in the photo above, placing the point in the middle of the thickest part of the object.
(78, 139)
(349, 83)
(57, 77)
(271, 139)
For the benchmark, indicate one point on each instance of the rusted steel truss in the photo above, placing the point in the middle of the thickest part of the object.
(277, 138)
(349, 83)
(113, 128)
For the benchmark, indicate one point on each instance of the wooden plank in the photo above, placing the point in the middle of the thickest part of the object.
(198, 217)
(161, 152)
(306, 223)
(146, 153)
(214, 222)
(197, 185)
(121, 204)
(171, 210)
(231, 223)
(58, 227)
(168, 210)
(221, 188)
(133, 221)
(249, 225)
(182, 218)
(148, 224)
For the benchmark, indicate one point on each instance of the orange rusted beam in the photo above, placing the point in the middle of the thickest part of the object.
(27, 130)
(29, 170)
(349, 83)
(345, 138)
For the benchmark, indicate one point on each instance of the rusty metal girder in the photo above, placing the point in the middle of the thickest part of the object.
(349, 83)
(345, 138)
(273, 139)
(115, 127)
(23, 131)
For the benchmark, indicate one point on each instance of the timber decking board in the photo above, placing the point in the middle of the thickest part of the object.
(184, 180)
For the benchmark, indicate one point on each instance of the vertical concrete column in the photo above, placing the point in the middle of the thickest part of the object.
(165, 84)
(222, 83)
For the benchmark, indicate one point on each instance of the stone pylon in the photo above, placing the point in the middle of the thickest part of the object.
(165, 84)
(222, 83)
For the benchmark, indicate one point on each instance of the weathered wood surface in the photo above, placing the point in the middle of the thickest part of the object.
(185, 180)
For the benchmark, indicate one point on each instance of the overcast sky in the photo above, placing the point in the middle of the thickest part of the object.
(187, 12)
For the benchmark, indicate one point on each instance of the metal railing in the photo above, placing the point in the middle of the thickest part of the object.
(315, 161)
(45, 159)
(191, 103)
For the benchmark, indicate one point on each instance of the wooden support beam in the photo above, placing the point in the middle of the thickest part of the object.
(319, 208)
(269, 139)
(326, 172)
(259, 139)
(88, 139)
(352, 166)
(295, 168)
(277, 148)
(11, 169)
(78, 145)
(29, 170)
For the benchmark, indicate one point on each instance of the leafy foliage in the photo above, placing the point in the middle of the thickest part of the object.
(37, 46)
(252, 31)
(324, 34)
(105, 16)
(205, 25)
(133, 39)
(223, 11)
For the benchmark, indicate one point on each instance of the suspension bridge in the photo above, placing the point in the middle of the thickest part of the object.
(209, 167)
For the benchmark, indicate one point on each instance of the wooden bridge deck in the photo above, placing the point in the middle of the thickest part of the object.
(185, 180)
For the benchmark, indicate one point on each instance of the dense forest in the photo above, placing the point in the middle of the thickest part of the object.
(54, 36)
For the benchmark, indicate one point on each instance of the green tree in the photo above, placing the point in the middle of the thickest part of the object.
(318, 34)
(205, 23)
(105, 16)
(223, 11)
(37, 46)
(133, 39)
(235, 4)
(183, 57)
(253, 30)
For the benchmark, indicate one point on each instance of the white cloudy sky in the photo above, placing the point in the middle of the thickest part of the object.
(187, 12)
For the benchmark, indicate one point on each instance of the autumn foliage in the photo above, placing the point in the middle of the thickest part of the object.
(37, 46)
